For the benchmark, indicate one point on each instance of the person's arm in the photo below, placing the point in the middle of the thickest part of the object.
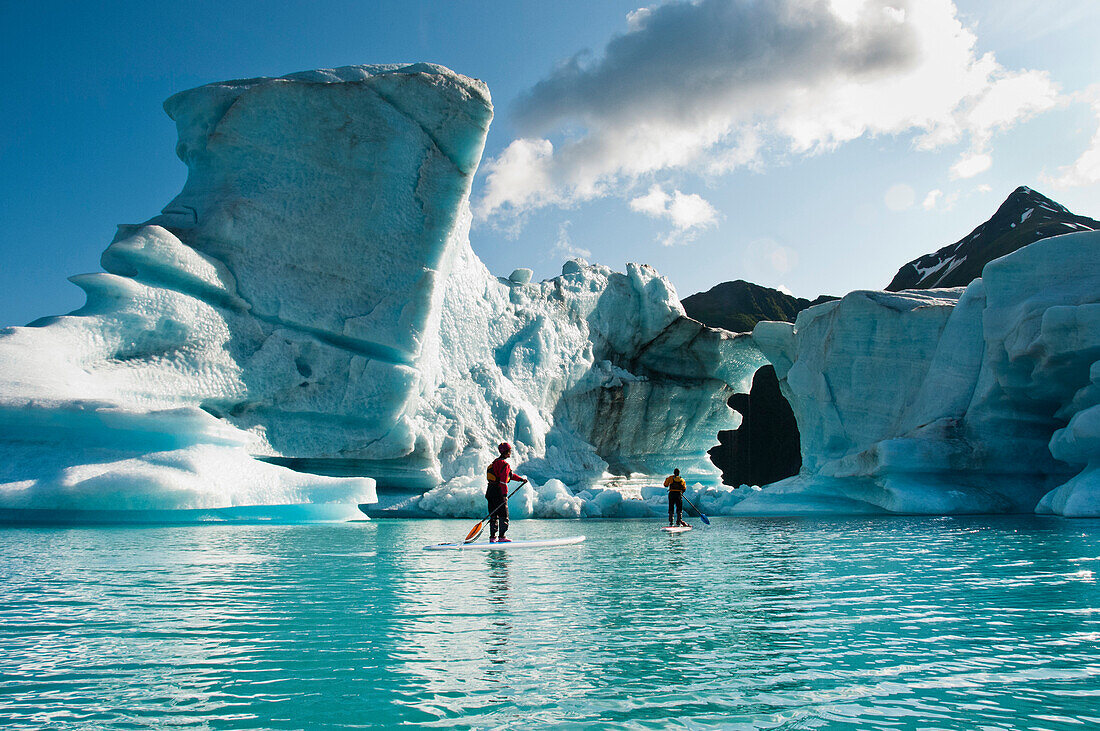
(517, 478)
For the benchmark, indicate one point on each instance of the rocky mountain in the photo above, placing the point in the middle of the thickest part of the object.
(738, 305)
(1024, 218)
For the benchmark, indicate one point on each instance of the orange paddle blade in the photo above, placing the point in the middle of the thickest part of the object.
(473, 533)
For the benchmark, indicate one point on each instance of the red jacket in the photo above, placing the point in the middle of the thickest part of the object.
(498, 475)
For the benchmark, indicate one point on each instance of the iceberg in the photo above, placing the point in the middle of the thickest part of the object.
(306, 325)
(975, 400)
(640, 497)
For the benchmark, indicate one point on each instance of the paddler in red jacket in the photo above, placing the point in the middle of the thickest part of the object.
(498, 475)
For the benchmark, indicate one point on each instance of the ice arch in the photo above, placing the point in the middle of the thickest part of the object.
(981, 400)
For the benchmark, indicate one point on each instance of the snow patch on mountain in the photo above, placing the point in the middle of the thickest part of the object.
(962, 262)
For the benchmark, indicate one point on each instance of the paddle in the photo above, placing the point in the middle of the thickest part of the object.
(705, 519)
(476, 530)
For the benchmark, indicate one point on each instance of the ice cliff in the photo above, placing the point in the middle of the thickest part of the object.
(307, 320)
(980, 400)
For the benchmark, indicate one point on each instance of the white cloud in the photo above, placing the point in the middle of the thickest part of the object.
(714, 85)
(970, 165)
(654, 203)
(984, 188)
(521, 177)
(685, 211)
(741, 152)
(691, 211)
(899, 197)
(636, 19)
(931, 199)
(785, 290)
(1086, 169)
(1008, 100)
(564, 246)
(950, 200)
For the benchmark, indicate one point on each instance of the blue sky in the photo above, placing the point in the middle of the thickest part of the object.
(811, 145)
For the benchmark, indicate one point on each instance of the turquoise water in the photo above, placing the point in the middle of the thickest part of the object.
(762, 623)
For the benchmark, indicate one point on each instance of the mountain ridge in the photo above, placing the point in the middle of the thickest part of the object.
(1025, 217)
(738, 305)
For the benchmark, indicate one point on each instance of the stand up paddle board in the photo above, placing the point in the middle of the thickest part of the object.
(545, 543)
(676, 528)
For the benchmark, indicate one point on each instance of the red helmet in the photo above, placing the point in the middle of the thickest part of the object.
(504, 447)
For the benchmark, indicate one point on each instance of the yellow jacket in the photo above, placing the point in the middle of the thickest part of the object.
(675, 483)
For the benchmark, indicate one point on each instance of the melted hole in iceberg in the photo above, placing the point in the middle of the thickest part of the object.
(766, 448)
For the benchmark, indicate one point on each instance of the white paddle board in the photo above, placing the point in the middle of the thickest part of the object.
(544, 543)
(676, 528)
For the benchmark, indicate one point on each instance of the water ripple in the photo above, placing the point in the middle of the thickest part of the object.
(763, 623)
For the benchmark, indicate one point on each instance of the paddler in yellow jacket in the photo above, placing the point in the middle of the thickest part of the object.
(676, 489)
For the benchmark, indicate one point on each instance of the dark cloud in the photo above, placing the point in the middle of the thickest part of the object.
(678, 59)
(716, 85)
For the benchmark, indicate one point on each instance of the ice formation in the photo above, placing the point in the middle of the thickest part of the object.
(639, 497)
(306, 324)
(307, 319)
(981, 400)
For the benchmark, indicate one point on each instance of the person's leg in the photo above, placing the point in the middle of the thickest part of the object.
(679, 508)
(503, 513)
(671, 504)
(493, 501)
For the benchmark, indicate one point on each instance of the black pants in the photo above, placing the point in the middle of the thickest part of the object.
(676, 500)
(498, 509)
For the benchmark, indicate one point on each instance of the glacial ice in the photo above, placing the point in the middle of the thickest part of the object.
(178, 463)
(949, 401)
(306, 326)
(306, 321)
(464, 497)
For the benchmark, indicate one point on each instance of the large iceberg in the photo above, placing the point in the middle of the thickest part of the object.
(306, 321)
(981, 400)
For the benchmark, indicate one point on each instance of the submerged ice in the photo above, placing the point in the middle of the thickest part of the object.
(306, 320)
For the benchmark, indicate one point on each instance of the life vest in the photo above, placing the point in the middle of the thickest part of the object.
(497, 475)
(675, 483)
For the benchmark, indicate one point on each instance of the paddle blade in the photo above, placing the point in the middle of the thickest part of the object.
(473, 534)
(705, 519)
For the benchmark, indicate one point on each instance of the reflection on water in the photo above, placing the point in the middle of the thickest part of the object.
(751, 623)
(498, 600)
